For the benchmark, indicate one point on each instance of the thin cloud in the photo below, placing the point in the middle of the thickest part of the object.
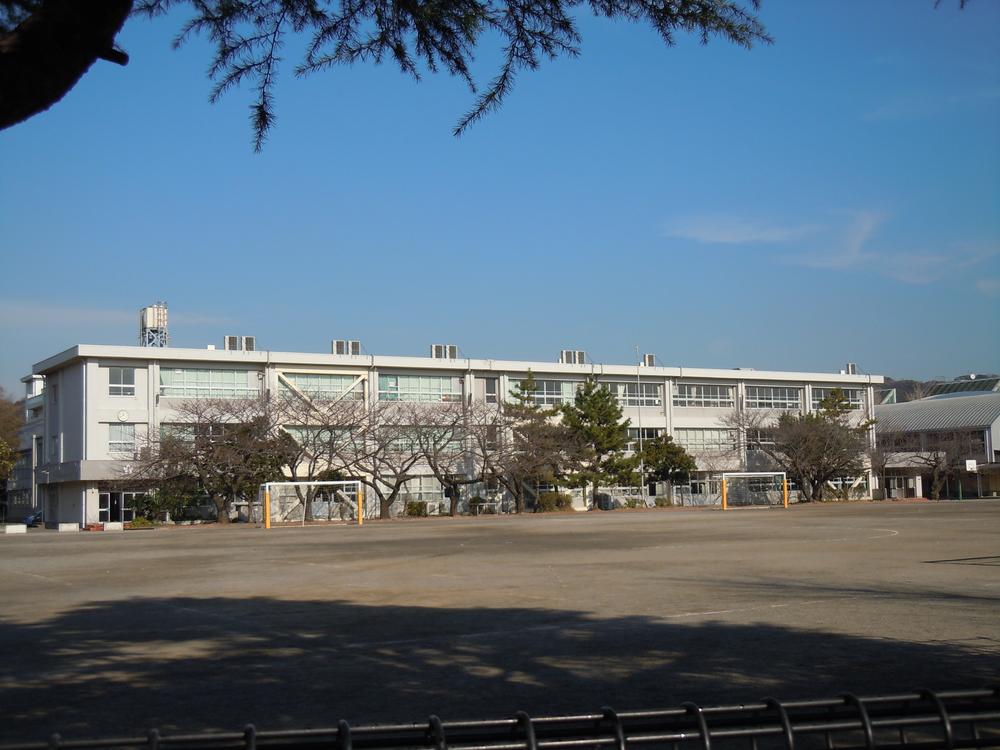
(849, 251)
(41, 315)
(731, 230)
(990, 285)
(927, 105)
(855, 250)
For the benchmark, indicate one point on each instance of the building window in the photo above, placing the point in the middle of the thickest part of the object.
(637, 394)
(121, 438)
(205, 383)
(121, 381)
(648, 433)
(424, 490)
(758, 439)
(491, 390)
(853, 396)
(773, 397)
(698, 440)
(551, 392)
(428, 388)
(322, 386)
(697, 394)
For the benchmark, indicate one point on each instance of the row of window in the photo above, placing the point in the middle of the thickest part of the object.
(697, 440)
(218, 383)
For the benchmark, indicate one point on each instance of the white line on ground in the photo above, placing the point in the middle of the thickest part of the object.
(36, 575)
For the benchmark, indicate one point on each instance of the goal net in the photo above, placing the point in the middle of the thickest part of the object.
(299, 503)
(754, 488)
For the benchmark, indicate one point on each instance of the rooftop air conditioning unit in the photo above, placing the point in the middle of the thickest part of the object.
(572, 357)
(852, 368)
(232, 344)
(444, 351)
(343, 346)
(649, 360)
(249, 343)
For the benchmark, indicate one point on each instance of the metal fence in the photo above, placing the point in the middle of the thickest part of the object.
(921, 719)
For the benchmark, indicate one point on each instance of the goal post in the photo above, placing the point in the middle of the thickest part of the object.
(299, 503)
(758, 488)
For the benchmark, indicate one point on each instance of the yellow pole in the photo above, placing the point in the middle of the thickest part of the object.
(784, 491)
(361, 505)
(267, 507)
(724, 504)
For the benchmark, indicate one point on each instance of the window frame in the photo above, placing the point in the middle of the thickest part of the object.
(726, 439)
(122, 388)
(773, 399)
(129, 445)
(420, 394)
(695, 396)
(211, 385)
(819, 392)
(642, 393)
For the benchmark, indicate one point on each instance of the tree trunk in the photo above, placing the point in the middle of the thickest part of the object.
(937, 482)
(221, 509)
(453, 509)
(44, 57)
(807, 490)
(385, 504)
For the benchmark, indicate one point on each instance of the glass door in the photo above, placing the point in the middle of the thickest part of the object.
(115, 507)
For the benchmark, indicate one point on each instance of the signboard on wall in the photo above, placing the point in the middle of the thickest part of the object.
(970, 464)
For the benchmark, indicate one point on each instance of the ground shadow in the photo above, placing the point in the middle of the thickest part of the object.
(184, 663)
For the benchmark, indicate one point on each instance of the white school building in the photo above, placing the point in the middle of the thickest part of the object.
(88, 406)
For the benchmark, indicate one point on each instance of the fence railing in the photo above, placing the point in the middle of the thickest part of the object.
(921, 719)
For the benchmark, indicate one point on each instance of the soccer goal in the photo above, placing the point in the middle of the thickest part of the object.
(299, 503)
(744, 488)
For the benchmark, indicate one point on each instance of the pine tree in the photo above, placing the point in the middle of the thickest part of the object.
(595, 420)
(666, 461)
(540, 447)
(47, 45)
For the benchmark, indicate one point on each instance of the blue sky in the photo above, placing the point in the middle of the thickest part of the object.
(834, 197)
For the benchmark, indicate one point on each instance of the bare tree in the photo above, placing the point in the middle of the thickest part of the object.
(379, 451)
(441, 436)
(11, 420)
(939, 454)
(223, 447)
(883, 454)
(316, 428)
(812, 449)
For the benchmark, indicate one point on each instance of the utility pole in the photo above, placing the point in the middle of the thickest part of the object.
(638, 400)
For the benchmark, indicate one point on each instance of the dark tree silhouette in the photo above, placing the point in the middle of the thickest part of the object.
(46, 45)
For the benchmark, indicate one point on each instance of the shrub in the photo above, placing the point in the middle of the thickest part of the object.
(479, 504)
(662, 502)
(552, 501)
(416, 509)
(139, 522)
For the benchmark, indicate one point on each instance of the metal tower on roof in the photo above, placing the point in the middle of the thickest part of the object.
(153, 325)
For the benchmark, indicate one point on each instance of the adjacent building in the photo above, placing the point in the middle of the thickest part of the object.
(955, 435)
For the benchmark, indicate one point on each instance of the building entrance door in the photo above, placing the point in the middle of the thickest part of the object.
(115, 507)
